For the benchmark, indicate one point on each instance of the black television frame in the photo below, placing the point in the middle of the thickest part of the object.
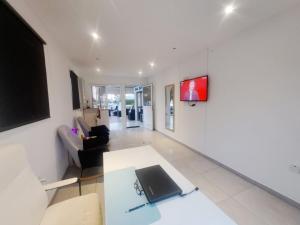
(194, 79)
(27, 26)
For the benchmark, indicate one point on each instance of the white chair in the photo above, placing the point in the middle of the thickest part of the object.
(23, 199)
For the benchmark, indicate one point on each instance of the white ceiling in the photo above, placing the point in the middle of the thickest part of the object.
(135, 32)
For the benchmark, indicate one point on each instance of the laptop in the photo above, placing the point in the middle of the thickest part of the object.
(157, 184)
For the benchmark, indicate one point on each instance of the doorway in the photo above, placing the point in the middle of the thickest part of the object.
(148, 107)
(126, 106)
(139, 109)
(108, 97)
(132, 108)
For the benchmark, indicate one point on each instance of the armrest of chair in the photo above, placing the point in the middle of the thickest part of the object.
(61, 183)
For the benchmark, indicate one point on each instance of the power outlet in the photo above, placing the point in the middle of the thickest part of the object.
(294, 169)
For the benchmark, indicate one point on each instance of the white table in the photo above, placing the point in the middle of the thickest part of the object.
(194, 209)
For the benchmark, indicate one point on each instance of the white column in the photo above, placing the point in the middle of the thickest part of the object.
(123, 102)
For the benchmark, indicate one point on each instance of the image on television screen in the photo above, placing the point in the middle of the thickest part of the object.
(194, 89)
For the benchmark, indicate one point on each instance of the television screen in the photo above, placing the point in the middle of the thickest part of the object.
(23, 79)
(194, 89)
(75, 90)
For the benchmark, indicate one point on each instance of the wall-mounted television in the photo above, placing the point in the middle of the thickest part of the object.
(23, 79)
(195, 89)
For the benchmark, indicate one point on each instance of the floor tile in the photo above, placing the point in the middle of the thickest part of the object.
(240, 214)
(211, 191)
(230, 183)
(201, 164)
(271, 209)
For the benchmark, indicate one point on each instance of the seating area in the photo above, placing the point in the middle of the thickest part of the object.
(30, 204)
(149, 112)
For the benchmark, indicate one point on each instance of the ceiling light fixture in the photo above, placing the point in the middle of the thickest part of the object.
(152, 64)
(95, 36)
(140, 73)
(98, 69)
(229, 9)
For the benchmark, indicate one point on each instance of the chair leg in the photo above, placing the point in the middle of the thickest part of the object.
(79, 185)
(79, 182)
(81, 179)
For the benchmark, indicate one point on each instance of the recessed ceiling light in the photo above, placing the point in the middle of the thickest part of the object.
(98, 70)
(140, 72)
(95, 36)
(152, 64)
(229, 9)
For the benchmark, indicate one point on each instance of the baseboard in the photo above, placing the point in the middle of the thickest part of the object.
(267, 189)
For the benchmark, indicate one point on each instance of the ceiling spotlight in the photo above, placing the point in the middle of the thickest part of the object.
(152, 64)
(140, 72)
(95, 36)
(98, 70)
(229, 9)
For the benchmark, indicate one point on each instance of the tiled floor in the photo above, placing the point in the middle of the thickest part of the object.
(245, 203)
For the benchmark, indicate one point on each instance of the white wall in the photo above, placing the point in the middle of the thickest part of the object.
(251, 121)
(46, 155)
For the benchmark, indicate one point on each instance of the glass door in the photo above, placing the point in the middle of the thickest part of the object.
(169, 107)
(148, 107)
(131, 108)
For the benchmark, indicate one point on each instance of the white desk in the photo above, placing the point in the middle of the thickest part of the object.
(194, 209)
